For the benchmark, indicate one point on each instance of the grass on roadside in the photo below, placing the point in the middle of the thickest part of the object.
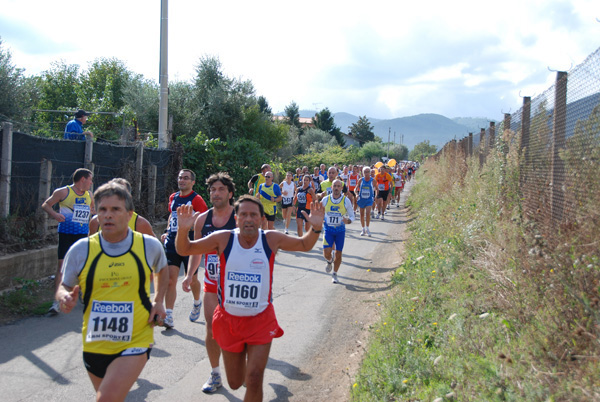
(475, 314)
(28, 298)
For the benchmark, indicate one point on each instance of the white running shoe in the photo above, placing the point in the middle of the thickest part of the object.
(54, 309)
(168, 323)
(328, 267)
(368, 232)
(334, 278)
(378, 215)
(195, 313)
(363, 232)
(286, 231)
(214, 382)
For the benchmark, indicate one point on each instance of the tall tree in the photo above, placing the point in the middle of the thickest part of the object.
(292, 112)
(142, 100)
(324, 120)
(263, 106)
(362, 130)
(422, 150)
(218, 102)
(10, 78)
(103, 85)
(59, 86)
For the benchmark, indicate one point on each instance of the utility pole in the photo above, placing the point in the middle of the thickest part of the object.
(388, 148)
(163, 78)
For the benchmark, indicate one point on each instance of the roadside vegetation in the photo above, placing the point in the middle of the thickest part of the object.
(485, 307)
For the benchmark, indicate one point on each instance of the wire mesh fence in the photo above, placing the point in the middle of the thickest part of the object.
(555, 140)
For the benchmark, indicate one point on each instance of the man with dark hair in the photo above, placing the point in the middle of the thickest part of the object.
(220, 217)
(185, 196)
(244, 322)
(76, 206)
(118, 320)
(74, 128)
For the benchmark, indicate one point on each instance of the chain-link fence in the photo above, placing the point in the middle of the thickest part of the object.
(555, 138)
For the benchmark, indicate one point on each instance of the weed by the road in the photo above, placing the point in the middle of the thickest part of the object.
(28, 298)
(484, 308)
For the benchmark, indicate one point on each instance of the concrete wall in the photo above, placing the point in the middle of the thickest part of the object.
(33, 264)
(36, 264)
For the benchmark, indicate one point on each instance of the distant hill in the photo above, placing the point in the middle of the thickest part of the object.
(433, 127)
(428, 126)
(474, 124)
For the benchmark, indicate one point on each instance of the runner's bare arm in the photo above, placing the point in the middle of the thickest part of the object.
(186, 216)
(195, 259)
(143, 226)
(161, 281)
(278, 240)
(58, 195)
(94, 225)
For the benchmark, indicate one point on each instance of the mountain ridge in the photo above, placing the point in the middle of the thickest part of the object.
(411, 130)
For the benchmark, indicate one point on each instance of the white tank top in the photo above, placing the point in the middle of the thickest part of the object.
(246, 276)
(290, 188)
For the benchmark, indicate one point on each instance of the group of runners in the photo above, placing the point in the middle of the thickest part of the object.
(102, 240)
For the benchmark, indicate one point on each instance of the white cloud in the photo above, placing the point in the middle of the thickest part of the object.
(382, 58)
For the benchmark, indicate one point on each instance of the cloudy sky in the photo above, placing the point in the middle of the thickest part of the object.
(383, 59)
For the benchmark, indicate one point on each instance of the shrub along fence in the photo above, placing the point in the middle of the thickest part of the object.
(555, 139)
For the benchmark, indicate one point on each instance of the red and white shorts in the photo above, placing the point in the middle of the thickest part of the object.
(233, 333)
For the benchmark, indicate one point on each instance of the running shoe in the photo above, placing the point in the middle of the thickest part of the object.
(168, 323)
(286, 231)
(381, 216)
(54, 309)
(334, 278)
(378, 215)
(214, 382)
(388, 207)
(368, 232)
(329, 266)
(363, 232)
(195, 313)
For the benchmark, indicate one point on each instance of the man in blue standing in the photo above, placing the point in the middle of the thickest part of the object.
(74, 128)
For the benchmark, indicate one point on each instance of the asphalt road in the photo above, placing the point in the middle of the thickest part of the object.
(41, 358)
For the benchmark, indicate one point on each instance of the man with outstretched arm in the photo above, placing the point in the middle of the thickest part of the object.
(244, 322)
